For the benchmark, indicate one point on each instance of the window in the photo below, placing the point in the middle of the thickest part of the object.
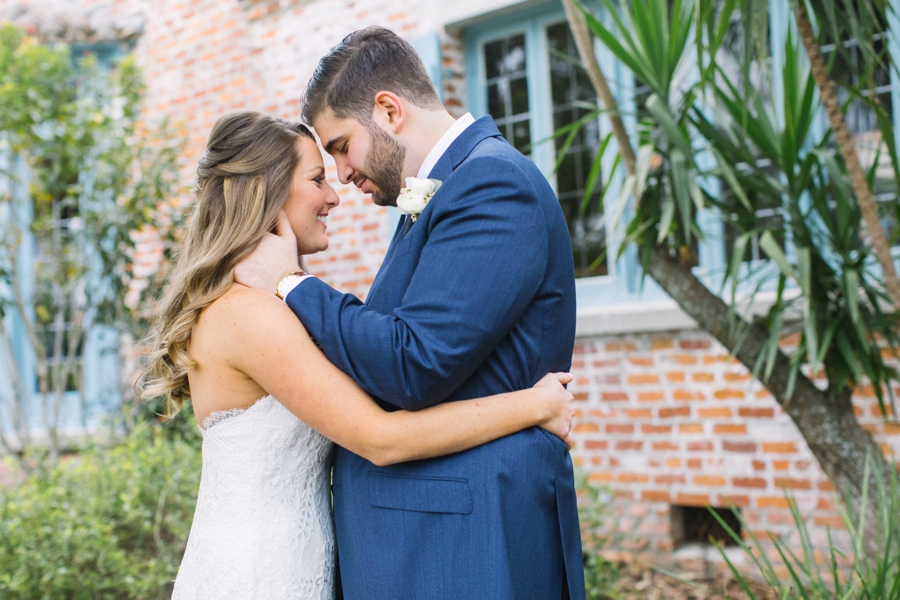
(572, 93)
(520, 70)
(531, 82)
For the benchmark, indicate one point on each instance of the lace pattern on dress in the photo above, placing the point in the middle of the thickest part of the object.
(216, 417)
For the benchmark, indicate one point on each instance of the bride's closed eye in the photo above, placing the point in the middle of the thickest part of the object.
(319, 179)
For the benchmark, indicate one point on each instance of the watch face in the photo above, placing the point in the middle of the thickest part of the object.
(287, 284)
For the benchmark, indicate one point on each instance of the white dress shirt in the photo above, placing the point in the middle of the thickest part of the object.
(443, 144)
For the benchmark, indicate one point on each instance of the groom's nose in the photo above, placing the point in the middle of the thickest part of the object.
(344, 172)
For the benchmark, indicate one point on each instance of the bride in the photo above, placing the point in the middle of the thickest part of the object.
(266, 398)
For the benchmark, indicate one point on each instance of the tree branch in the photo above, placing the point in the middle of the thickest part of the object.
(867, 206)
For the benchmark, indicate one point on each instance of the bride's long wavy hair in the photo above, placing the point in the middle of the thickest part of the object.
(243, 182)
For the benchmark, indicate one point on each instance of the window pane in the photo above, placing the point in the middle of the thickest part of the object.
(519, 95)
(571, 90)
(514, 60)
(493, 56)
(507, 89)
(496, 101)
(521, 135)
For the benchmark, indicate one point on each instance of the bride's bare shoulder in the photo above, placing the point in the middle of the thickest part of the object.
(242, 307)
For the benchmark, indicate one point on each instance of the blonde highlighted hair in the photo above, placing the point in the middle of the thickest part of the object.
(243, 182)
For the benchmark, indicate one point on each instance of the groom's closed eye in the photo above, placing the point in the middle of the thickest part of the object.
(336, 145)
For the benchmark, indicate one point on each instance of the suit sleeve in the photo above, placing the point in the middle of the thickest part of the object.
(484, 259)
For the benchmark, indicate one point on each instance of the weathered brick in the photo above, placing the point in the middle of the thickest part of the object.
(709, 480)
(690, 427)
(629, 445)
(702, 446)
(718, 412)
(632, 477)
(692, 500)
(743, 447)
(650, 429)
(638, 413)
(614, 396)
(779, 447)
(749, 482)
(655, 496)
(619, 428)
(643, 379)
(757, 413)
(651, 396)
(671, 412)
(730, 428)
(792, 483)
(698, 344)
(684, 359)
(728, 394)
(663, 344)
(772, 502)
(683, 395)
(734, 500)
(668, 479)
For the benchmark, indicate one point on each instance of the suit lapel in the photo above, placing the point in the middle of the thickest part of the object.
(401, 226)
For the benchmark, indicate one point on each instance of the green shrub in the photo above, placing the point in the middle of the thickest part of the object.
(595, 512)
(865, 573)
(110, 523)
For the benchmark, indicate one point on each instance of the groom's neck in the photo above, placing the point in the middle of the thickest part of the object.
(427, 127)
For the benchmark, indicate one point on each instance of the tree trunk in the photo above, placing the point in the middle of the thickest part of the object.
(585, 44)
(867, 205)
(827, 422)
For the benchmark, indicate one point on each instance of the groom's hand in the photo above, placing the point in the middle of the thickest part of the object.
(275, 257)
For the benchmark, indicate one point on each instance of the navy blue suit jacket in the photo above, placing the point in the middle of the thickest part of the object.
(475, 298)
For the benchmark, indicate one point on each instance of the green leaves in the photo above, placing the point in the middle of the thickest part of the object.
(741, 135)
(648, 37)
(111, 525)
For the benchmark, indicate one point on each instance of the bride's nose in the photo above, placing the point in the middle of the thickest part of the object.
(331, 197)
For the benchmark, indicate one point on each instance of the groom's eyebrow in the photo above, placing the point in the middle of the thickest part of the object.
(329, 147)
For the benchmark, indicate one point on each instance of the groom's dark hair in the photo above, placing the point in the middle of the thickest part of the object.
(364, 63)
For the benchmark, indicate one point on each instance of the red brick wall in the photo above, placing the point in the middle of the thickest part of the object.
(668, 419)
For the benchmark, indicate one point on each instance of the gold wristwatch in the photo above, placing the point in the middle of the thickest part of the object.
(288, 282)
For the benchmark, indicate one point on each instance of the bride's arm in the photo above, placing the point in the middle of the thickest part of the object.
(270, 345)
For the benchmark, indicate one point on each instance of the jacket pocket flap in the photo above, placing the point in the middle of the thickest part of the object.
(420, 494)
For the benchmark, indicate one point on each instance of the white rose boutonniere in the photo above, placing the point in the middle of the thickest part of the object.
(415, 196)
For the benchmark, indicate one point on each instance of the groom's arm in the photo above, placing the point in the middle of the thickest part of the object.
(484, 259)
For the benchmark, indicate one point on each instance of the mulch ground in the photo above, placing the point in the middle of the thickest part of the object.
(637, 583)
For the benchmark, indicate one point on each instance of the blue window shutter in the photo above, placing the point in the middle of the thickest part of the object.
(429, 49)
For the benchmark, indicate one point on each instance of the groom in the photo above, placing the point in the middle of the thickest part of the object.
(476, 296)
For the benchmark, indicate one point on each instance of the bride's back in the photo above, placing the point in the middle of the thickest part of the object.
(215, 384)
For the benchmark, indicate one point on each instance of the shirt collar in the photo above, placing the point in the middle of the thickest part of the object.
(443, 144)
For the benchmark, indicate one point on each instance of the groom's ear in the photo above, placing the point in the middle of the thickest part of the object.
(390, 111)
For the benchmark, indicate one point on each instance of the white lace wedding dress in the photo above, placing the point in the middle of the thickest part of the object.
(262, 527)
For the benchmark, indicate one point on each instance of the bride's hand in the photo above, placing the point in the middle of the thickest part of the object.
(559, 405)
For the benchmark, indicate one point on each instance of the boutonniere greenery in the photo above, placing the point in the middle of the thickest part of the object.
(415, 196)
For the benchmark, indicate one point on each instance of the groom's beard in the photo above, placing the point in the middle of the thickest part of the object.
(384, 166)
